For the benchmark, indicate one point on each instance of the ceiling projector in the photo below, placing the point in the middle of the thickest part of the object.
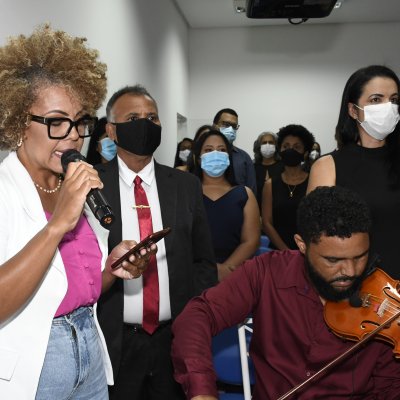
(289, 9)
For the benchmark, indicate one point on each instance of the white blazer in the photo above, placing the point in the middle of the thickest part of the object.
(24, 337)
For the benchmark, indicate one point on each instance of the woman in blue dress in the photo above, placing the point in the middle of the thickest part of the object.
(232, 209)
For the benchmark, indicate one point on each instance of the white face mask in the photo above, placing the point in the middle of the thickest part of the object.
(184, 154)
(267, 150)
(380, 120)
(314, 154)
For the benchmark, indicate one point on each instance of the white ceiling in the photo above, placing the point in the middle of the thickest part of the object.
(221, 13)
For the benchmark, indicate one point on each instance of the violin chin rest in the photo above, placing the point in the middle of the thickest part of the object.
(355, 300)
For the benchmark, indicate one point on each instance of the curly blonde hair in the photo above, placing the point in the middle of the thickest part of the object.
(47, 57)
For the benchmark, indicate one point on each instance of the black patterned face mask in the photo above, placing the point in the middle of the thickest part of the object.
(141, 136)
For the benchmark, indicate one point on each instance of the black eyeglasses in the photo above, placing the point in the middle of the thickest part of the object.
(60, 127)
(226, 124)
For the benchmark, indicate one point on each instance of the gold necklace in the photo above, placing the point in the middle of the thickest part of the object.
(291, 189)
(50, 190)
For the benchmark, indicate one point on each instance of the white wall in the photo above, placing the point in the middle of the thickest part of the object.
(272, 75)
(276, 75)
(141, 41)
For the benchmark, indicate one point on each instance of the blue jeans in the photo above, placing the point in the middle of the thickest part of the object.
(73, 367)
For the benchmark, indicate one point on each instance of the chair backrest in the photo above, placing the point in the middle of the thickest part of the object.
(230, 356)
(264, 245)
(264, 241)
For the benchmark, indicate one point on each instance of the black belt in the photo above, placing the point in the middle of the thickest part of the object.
(138, 328)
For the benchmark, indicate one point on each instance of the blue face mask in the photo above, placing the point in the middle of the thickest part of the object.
(229, 133)
(108, 148)
(215, 163)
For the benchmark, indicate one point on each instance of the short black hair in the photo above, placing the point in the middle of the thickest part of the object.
(298, 131)
(136, 90)
(224, 110)
(332, 211)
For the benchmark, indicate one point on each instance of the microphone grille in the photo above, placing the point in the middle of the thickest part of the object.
(70, 156)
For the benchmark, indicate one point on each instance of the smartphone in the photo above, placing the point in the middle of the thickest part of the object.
(146, 242)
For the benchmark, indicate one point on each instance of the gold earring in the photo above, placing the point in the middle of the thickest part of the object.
(28, 120)
(19, 143)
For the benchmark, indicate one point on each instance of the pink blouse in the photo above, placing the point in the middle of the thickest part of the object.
(81, 255)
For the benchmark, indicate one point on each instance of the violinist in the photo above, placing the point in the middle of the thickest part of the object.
(285, 293)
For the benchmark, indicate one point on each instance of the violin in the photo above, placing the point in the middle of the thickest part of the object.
(379, 298)
(374, 313)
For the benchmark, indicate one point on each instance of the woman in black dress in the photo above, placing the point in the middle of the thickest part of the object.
(282, 194)
(368, 156)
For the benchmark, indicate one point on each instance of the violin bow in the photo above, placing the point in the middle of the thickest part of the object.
(337, 360)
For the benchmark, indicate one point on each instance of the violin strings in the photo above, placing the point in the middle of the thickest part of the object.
(391, 307)
(389, 303)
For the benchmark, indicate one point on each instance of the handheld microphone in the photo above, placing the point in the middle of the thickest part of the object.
(95, 198)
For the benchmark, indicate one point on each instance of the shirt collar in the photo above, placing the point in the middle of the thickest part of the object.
(127, 175)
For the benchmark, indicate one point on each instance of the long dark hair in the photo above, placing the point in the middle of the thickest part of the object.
(93, 156)
(178, 162)
(347, 129)
(197, 146)
(200, 130)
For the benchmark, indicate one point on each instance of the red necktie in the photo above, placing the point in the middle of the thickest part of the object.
(151, 297)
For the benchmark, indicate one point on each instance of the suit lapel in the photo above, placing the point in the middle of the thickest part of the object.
(167, 194)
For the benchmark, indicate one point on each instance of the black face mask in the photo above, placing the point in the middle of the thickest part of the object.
(141, 137)
(291, 157)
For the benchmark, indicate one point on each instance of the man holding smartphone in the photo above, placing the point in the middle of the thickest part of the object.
(146, 197)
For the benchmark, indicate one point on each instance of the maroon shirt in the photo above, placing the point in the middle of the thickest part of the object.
(290, 341)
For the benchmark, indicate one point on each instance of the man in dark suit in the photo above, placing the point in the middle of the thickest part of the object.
(185, 261)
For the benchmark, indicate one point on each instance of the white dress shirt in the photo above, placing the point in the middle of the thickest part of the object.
(133, 289)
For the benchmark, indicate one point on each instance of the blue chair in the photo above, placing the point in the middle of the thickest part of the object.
(231, 361)
(264, 245)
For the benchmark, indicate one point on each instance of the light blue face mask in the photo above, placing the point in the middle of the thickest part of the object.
(108, 148)
(229, 133)
(215, 163)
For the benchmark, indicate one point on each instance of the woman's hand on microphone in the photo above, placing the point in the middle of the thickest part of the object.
(79, 179)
